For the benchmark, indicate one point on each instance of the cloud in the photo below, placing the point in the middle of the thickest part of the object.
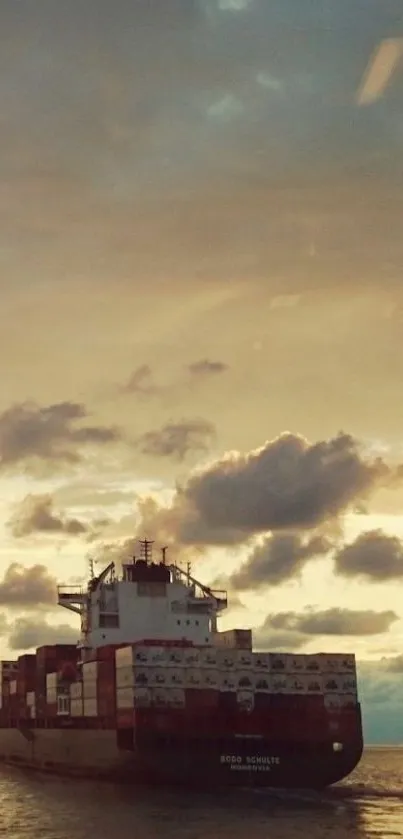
(280, 557)
(177, 439)
(393, 664)
(205, 367)
(373, 555)
(333, 622)
(141, 382)
(265, 637)
(50, 434)
(27, 587)
(35, 514)
(287, 483)
(27, 633)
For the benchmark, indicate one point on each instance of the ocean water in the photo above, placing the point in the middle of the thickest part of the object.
(368, 804)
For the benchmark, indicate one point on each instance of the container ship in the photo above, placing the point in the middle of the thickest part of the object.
(154, 693)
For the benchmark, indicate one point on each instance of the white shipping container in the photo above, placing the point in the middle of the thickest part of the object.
(332, 662)
(313, 663)
(296, 684)
(31, 699)
(245, 680)
(208, 658)
(13, 687)
(279, 683)
(261, 662)
(263, 683)
(332, 683)
(245, 700)
(90, 690)
(157, 656)
(175, 657)
(159, 697)
(176, 697)
(192, 657)
(76, 708)
(348, 684)
(90, 708)
(347, 663)
(245, 660)
(280, 662)
(142, 677)
(193, 677)
(297, 663)
(176, 677)
(76, 690)
(227, 659)
(313, 682)
(51, 696)
(211, 679)
(142, 697)
(229, 681)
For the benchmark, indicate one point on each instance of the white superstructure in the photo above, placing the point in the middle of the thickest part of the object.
(147, 600)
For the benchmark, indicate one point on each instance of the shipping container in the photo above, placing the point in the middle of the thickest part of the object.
(245, 700)
(175, 677)
(227, 659)
(76, 690)
(90, 690)
(332, 683)
(347, 663)
(176, 697)
(51, 681)
(228, 681)
(13, 687)
(90, 708)
(30, 699)
(245, 680)
(208, 658)
(125, 697)
(175, 656)
(193, 677)
(332, 701)
(313, 683)
(280, 662)
(348, 684)
(279, 683)
(76, 708)
(348, 700)
(245, 660)
(313, 663)
(262, 683)
(238, 639)
(90, 671)
(201, 699)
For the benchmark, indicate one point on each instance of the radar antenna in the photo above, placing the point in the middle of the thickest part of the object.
(146, 550)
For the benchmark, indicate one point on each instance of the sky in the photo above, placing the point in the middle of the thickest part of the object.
(202, 311)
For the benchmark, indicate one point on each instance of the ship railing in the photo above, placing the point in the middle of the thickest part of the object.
(70, 591)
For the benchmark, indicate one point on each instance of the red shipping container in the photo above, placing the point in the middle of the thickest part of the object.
(203, 698)
(124, 719)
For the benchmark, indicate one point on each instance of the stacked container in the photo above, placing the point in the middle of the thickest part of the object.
(99, 687)
(59, 661)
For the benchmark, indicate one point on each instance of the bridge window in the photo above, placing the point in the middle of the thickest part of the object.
(109, 621)
(178, 622)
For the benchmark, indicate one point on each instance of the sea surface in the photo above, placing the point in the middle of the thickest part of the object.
(368, 804)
